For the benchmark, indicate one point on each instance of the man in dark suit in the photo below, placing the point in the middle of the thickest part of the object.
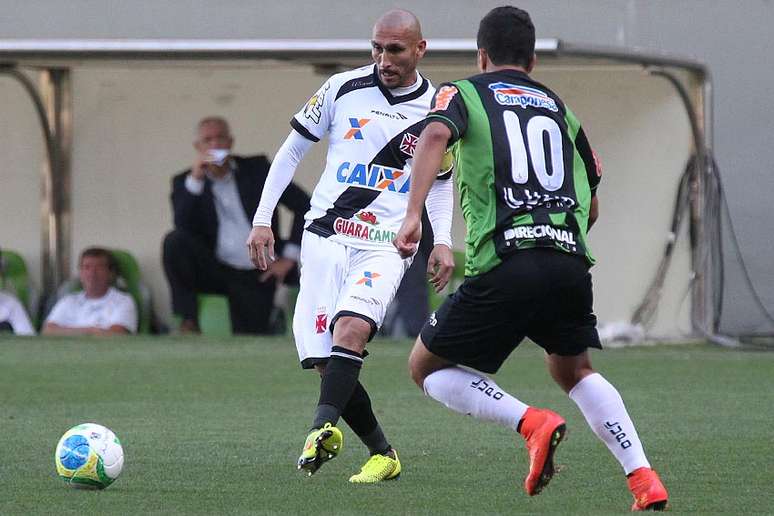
(213, 203)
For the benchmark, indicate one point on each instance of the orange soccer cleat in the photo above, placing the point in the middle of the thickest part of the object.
(648, 491)
(543, 430)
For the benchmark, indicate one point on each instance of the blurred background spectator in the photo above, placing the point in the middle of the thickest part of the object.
(213, 203)
(100, 308)
(13, 316)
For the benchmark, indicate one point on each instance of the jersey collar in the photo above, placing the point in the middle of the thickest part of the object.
(397, 99)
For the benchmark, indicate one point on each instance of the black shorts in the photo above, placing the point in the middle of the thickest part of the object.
(542, 294)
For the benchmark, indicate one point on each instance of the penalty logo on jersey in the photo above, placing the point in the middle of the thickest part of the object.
(512, 95)
(367, 278)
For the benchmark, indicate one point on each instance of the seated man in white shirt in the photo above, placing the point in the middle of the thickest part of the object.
(13, 316)
(100, 309)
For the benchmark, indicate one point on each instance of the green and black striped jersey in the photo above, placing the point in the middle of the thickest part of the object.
(525, 170)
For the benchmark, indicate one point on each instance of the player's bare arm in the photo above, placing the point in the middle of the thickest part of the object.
(593, 211)
(440, 266)
(427, 161)
(260, 245)
(115, 329)
(52, 328)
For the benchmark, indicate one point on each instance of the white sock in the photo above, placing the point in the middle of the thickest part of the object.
(474, 395)
(606, 414)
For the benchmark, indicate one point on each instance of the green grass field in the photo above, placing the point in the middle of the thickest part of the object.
(215, 427)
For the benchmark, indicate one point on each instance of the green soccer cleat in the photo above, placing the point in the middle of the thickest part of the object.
(321, 446)
(378, 468)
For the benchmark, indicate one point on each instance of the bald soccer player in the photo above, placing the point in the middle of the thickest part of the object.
(350, 271)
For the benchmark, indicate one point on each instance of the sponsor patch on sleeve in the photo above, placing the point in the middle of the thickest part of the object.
(443, 98)
(313, 108)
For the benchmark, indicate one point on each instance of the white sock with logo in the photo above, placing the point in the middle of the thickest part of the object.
(606, 414)
(474, 395)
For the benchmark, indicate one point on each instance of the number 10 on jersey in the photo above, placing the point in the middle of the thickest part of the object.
(541, 131)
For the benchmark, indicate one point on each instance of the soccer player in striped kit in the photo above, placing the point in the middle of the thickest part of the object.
(350, 270)
(527, 179)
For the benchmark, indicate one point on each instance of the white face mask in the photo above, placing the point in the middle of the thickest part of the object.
(218, 156)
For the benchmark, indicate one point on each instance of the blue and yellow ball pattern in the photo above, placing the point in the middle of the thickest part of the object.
(89, 456)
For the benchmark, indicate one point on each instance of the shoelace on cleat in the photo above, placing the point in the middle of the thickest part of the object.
(383, 464)
(322, 437)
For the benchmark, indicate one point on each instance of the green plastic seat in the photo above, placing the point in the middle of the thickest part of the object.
(214, 315)
(15, 277)
(130, 280)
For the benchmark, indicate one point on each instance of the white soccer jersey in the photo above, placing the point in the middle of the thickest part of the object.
(361, 198)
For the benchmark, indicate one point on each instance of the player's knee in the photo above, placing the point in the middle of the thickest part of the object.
(418, 369)
(417, 374)
(569, 378)
(352, 333)
(579, 374)
(567, 371)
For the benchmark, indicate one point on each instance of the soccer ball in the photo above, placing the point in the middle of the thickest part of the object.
(89, 456)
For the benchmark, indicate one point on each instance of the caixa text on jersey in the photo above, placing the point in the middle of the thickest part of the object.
(377, 177)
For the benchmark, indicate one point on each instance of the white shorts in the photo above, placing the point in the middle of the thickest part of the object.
(338, 280)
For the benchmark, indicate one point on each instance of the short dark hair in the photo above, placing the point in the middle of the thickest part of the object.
(508, 36)
(100, 252)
